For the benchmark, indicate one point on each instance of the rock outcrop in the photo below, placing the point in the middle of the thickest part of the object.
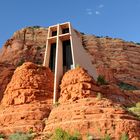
(6, 72)
(84, 105)
(83, 110)
(27, 99)
(116, 59)
(27, 44)
(77, 84)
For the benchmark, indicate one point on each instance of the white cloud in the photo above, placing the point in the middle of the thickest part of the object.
(101, 6)
(97, 13)
(89, 11)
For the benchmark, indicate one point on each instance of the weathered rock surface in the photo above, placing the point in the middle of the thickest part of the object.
(80, 110)
(27, 99)
(114, 58)
(6, 72)
(96, 117)
(27, 44)
(77, 84)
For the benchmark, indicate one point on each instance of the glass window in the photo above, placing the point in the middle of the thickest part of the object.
(67, 55)
(52, 57)
(66, 30)
(54, 33)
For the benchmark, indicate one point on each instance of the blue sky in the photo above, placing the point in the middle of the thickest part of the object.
(114, 18)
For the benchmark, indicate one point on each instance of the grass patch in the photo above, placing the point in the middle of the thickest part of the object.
(89, 136)
(61, 134)
(2, 136)
(106, 137)
(124, 136)
(21, 136)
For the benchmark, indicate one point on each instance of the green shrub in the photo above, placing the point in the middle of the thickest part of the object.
(21, 136)
(135, 109)
(82, 33)
(138, 43)
(89, 136)
(56, 104)
(98, 37)
(30, 131)
(77, 66)
(126, 86)
(20, 62)
(61, 134)
(101, 80)
(124, 136)
(2, 136)
(107, 137)
(36, 27)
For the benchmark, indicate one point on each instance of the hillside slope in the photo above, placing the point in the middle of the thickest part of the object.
(118, 60)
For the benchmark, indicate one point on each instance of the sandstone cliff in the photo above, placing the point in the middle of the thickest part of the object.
(116, 59)
(84, 111)
(27, 99)
(27, 44)
(85, 106)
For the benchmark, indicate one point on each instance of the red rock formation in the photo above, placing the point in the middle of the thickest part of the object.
(80, 110)
(95, 117)
(126, 98)
(77, 84)
(27, 44)
(27, 99)
(6, 72)
(116, 59)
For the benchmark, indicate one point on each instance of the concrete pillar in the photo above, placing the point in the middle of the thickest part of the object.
(58, 65)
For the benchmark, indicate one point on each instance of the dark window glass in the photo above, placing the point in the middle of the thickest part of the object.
(54, 33)
(52, 57)
(67, 55)
(66, 30)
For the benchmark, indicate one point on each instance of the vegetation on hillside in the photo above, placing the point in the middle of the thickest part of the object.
(126, 86)
(101, 80)
(135, 109)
